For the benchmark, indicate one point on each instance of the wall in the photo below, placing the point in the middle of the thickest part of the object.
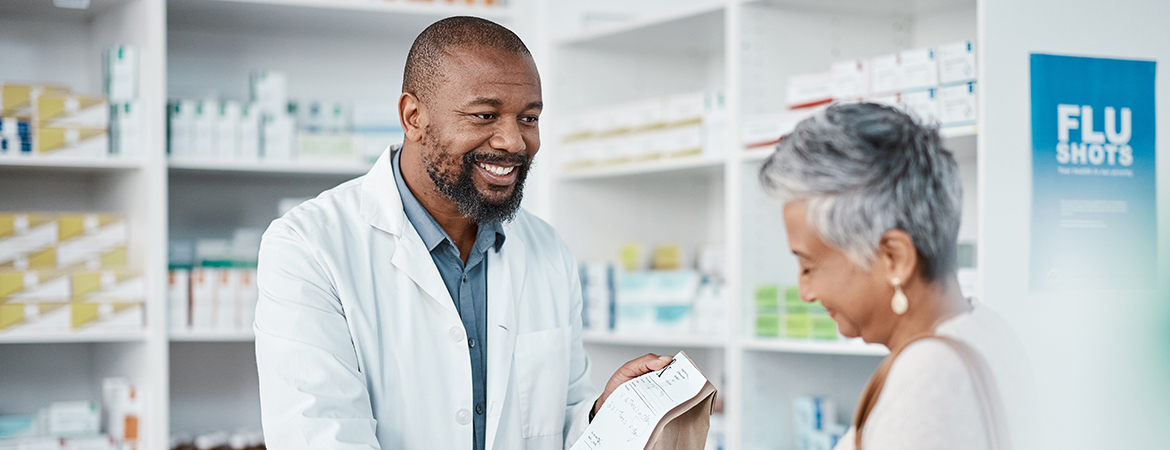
(1100, 358)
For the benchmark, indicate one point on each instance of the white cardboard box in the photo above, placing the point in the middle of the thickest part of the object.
(850, 79)
(809, 89)
(958, 104)
(919, 69)
(922, 104)
(956, 63)
(885, 74)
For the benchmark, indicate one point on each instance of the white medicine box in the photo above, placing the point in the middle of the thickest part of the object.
(918, 69)
(885, 74)
(957, 104)
(922, 104)
(850, 79)
(956, 63)
(810, 89)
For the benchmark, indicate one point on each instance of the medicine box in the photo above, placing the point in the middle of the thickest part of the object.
(70, 142)
(94, 315)
(919, 69)
(227, 131)
(181, 115)
(32, 286)
(34, 318)
(203, 129)
(108, 285)
(958, 104)
(809, 90)
(75, 111)
(922, 104)
(19, 100)
(956, 63)
(120, 73)
(126, 129)
(269, 91)
(248, 147)
(277, 137)
(885, 74)
(850, 79)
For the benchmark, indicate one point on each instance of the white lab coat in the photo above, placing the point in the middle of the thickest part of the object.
(359, 345)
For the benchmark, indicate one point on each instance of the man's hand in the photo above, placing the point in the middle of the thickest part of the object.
(629, 371)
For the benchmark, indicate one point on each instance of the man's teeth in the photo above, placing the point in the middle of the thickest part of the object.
(498, 170)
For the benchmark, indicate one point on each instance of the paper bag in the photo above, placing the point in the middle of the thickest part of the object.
(685, 427)
(668, 409)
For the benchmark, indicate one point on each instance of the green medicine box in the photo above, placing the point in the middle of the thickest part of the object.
(767, 325)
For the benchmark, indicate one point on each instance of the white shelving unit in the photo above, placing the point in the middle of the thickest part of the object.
(43, 43)
(747, 49)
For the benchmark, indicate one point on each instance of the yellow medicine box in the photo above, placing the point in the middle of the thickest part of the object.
(16, 100)
(107, 285)
(64, 110)
(34, 286)
(70, 142)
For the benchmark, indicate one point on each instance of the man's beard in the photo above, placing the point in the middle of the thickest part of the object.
(460, 187)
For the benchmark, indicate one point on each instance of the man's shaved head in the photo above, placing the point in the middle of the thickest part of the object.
(424, 62)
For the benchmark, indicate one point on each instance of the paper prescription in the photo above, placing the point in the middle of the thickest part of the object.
(630, 415)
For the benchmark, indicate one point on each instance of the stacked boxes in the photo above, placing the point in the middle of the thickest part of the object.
(269, 127)
(66, 272)
(216, 291)
(51, 121)
(792, 318)
(77, 425)
(667, 127)
(935, 84)
(816, 426)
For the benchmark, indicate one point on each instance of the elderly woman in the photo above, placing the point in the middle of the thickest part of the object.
(871, 206)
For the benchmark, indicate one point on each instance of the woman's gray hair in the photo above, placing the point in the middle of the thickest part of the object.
(865, 169)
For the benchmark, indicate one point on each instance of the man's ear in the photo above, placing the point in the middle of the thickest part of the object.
(412, 115)
(897, 256)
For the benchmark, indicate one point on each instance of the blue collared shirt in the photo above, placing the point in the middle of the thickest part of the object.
(467, 284)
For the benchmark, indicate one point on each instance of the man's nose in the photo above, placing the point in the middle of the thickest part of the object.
(507, 137)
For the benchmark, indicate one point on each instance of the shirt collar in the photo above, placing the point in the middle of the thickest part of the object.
(432, 234)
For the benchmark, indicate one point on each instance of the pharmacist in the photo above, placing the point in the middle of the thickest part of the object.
(418, 306)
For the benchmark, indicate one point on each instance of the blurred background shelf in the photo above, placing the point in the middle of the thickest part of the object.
(70, 164)
(709, 163)
(77, 337)
(614, 339)
(815, 347)
(267, 167)
(212, 336)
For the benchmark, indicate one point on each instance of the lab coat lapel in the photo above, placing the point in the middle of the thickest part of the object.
(506, 270)
(381, 208)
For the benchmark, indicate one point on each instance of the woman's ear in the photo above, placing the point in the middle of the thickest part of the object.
(412, 114)
(897, 256)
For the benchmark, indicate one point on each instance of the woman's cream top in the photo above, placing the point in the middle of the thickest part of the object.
(929, 401)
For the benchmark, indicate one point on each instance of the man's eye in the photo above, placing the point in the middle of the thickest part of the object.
(530, 119)
(485, 116)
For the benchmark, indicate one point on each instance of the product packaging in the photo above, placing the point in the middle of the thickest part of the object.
(885, 75)
(70, 142)
(956, 63)
(958, 105)
(919, 69)
(809, 90)
(120, 73)
(227, 131)
(203, 141)
(181, 114)
(850, 79)
(922, 104)
(126, 129)
(269, 91)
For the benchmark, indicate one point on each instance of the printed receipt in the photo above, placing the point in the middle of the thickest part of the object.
(630, 414)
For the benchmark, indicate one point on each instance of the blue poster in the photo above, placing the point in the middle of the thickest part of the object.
(1094, 223)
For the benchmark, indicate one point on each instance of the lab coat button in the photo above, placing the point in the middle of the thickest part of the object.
(456, 334)
(463, 417)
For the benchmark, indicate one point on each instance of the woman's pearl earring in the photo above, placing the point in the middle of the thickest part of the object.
(900, 303)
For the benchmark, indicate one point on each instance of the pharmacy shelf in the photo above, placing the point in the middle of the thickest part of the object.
(268, 167)
(685, 163)
(79, 337)
(70, 164)
(815, 347)
(323, 17)
(42, 10)
(596, 338)
(947, 133)
(868, 6)
(212, 336)
(693, 30)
